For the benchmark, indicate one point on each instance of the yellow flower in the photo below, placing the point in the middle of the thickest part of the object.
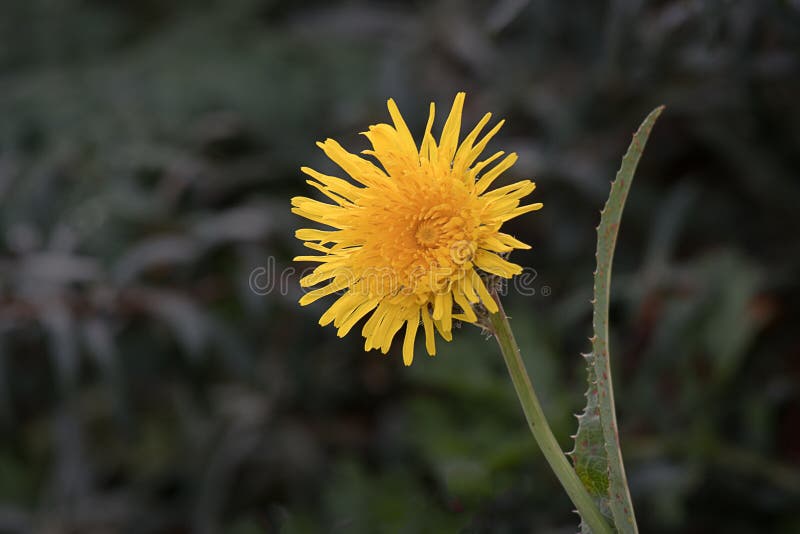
(408, 238)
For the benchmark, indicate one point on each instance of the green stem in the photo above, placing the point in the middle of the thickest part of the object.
(539, 426)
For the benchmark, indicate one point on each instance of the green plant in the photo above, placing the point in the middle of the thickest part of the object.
(599, 474)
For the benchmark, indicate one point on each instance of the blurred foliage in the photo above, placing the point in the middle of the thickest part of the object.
(147, 154)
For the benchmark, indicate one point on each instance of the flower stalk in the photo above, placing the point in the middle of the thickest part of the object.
(539, 426)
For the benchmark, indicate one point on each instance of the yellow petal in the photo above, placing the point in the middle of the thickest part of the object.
(357, 167)
(452, 127)
(357, 313)
(487, 179)
(404, 135)
(468, 314)
(486, 297)
(428, 149)
(427, 322)
(333, 287)
(492, 263)
(412, 324)
(460, 163)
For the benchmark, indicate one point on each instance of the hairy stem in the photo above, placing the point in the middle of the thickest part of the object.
(539, 426)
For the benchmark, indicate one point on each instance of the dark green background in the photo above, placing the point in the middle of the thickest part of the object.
(148, 151)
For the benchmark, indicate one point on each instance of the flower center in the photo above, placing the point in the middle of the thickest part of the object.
(427, 234)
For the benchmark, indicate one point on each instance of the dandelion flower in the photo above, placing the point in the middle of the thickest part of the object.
(410, 234)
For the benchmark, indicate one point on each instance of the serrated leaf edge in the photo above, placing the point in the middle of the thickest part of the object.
(619, 498)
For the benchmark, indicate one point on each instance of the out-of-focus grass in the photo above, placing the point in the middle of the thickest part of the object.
(147, 154)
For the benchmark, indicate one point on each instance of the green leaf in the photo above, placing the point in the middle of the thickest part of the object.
(589, 455)
(597, 456)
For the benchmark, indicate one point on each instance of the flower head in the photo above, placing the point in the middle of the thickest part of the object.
(408, 236)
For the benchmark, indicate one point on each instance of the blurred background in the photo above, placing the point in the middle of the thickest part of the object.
(148, 151)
